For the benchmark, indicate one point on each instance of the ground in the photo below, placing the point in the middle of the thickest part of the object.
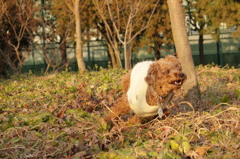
(61, 116)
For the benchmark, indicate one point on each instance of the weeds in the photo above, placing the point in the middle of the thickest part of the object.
(61, 116)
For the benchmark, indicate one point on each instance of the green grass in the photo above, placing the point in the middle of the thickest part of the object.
(61, 116)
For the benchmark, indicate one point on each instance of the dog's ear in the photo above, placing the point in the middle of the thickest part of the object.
(174, 60)
(152, 73)
(171, 58)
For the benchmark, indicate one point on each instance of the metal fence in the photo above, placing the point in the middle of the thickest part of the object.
(224, 52)
(95, 53)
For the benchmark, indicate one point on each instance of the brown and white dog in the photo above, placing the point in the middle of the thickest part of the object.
(148, 88)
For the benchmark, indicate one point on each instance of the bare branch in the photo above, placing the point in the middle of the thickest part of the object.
(146, 26)
(70, 4)
(113, 22)
(101, 14)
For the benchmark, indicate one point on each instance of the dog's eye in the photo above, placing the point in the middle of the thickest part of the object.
(167, 72)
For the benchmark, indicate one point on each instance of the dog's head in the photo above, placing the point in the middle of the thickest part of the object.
(165, 75)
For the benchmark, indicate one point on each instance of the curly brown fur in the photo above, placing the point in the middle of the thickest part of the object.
(126, 82)
(121, 106)
(163, 77)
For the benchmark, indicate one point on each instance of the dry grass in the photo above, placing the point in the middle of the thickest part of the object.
(61, 116)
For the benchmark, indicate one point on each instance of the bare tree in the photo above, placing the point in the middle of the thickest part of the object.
(184, 53)
(129, 33)
(63, 24)
(128, 19)
(107, 32)
(53, 38)
(51, 56)
(74, 6)
(19, 24)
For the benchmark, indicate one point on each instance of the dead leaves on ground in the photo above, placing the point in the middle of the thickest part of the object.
(61, 116)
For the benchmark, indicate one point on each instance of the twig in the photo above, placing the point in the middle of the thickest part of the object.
(189, 104)
(219, 105)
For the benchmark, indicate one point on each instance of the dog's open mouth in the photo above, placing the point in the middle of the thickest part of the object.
(177, 82)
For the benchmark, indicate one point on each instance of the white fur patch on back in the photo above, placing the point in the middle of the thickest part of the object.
(137, 91)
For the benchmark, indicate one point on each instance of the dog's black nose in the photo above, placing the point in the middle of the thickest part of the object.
(181, 75)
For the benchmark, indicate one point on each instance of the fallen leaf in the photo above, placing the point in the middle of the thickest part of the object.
(61, 113)
(202, 150)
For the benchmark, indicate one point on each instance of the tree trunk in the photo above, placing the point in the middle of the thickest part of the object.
(117, 53)
(113, 50)
(20, 67)
(112, 43)
(19, 60)
(3, 68)
(201, 49)
(44, 37)
(184, 53)
(79, 53)
(63, 50)
(157, 52)
(127, 56)
(112, 56)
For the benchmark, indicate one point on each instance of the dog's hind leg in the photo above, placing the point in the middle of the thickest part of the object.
(134, 120)
(120, 107)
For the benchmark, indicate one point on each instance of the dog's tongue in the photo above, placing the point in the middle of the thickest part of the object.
(160, 112)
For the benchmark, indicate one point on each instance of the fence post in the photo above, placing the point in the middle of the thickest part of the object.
(89, 56)
(33, 56)
(219, 57)
(218, 53)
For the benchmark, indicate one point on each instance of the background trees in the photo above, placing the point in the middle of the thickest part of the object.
(126, 19)
(158, 33)
(64, 25)
(207, 17)
(123, 25)
(105, 27)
